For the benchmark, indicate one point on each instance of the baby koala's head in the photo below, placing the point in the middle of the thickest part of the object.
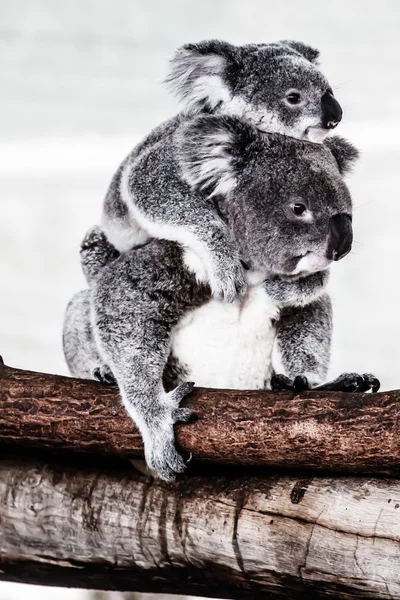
(285, 200)
(278, 87)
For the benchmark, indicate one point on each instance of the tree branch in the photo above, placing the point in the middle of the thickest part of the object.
(355, 433)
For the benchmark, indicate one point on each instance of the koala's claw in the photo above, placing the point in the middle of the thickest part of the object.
(300, 384)
(370, 383)
(104, 375)
(281, 383)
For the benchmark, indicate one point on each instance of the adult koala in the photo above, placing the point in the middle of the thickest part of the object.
(276, 87)
(155, 325)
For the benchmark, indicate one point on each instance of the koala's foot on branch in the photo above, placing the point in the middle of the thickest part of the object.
(347, 382)
(161, 455)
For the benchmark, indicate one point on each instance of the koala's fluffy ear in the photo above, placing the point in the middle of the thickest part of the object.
(212, 152)
(311, 54)
(344, 153)
(196, 73)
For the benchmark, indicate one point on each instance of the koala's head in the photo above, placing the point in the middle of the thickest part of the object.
(278, 87)
(284, 199)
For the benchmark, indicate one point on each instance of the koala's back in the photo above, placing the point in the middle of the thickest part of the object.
(146, 282)
(119, 225)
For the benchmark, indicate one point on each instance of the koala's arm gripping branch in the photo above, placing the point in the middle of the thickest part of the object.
(355, 433)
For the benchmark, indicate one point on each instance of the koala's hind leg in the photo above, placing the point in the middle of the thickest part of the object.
(80, 349)
(138, 360)
(133, 333)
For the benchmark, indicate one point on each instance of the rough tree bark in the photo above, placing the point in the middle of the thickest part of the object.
(354, 433)
(256, 537)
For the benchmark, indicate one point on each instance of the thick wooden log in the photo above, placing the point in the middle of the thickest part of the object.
(355, 433)
(276, 537)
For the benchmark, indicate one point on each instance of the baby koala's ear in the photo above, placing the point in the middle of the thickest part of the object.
(213, 150)
(196, 74)
(311, 54)
(344, 153)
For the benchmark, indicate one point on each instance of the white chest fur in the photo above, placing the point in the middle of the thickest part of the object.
(229, 345)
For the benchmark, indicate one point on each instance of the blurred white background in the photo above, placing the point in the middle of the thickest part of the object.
(81, 83)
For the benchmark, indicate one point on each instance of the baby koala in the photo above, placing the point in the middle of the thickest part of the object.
(276, 87)
(155, 326)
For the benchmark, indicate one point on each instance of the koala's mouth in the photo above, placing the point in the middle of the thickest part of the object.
(303, 265)
(316, 133)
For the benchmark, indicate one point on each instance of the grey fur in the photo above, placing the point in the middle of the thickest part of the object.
(140, 297)
(150, 197)
(251, 81)
(304, 339)
(80, 350)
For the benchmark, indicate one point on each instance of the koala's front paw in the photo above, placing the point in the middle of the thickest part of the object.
(95, 245)
(228, 282)
(104, 375)
(352, 382)
(281, 383)
(347, 382)
(93, 238)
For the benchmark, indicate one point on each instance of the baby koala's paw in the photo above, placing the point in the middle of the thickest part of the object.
(96, 242)
(228, 282)
(96, 252)
(93, 238)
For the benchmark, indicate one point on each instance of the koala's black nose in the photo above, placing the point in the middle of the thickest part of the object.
(340, 237)
(331, 110)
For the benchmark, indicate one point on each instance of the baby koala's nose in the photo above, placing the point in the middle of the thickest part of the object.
(340, 237)
(331, 110)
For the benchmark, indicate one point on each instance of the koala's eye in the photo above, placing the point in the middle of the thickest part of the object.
(293, 98)
(299, 209)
